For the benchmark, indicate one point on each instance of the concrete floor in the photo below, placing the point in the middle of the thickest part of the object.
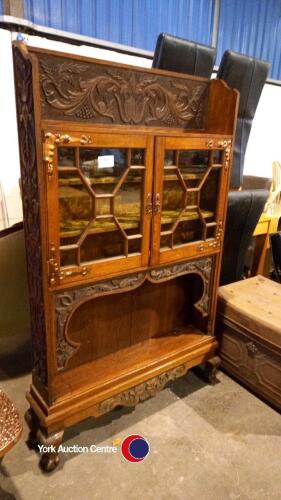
(207, 442)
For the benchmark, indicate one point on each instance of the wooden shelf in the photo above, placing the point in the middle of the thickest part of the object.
(129, 222)
(113, 180)
(138, 359)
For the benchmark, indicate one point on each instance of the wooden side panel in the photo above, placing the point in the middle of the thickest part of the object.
(31, 209)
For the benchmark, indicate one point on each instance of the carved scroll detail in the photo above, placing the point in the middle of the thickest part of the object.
(97, 93)
(66, 302)
(30, 199)
(143, 391)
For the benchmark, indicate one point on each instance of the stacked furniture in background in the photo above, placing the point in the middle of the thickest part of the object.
(183, 56)
(248, 76)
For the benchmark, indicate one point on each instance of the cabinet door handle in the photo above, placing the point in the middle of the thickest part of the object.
(157, 204)
(148, 207)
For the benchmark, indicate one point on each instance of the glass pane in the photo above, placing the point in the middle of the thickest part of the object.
(211, 232)
(66, 157)
(103, 167)
(104, 241)
(128, 202)
(68, 257)
(170, 158)
(137, 157)
(75, 206)
(193, 165)
(173, 201)
(103, 206)
(217, 157)
(189, 229)
(209, 195)
(134, 246)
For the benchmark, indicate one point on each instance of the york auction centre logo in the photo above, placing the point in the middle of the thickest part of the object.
(135, 448)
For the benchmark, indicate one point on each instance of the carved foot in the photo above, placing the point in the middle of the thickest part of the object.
(45, 444)
(211, 368)
(209, 371)
(50, 458)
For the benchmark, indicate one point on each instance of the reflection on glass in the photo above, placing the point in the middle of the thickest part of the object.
(75, 206)
(127, 203)
(190, 192)
(217, 157)
(100, 203)
(209, 194)
(137, 157)
(66, 157)
(103, 241)
(188, 230)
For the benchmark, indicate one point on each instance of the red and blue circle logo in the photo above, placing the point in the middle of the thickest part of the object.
(135, 448)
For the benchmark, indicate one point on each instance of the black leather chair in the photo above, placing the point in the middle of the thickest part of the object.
(275, 243)
(248, 75)
(183, 56)
(244, 211)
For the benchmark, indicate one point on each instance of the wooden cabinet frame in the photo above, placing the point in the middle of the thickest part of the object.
(115, 332)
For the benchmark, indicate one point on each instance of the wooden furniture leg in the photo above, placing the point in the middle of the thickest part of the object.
(51, 441)
(209, 370)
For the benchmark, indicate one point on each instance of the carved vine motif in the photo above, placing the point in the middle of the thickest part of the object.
(142, 391)
(109, 95)
(66, 302)
(30, 199)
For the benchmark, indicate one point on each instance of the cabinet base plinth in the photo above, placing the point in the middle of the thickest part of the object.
(47, 423)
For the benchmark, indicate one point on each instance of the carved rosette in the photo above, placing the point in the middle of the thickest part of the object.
(102, 94)
(30, 200)
(68, 301)
(143, 391)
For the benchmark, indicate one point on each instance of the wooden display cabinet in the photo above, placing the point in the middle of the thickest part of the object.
(124, 177)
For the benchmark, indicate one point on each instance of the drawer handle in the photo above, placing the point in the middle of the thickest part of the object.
(252, 349)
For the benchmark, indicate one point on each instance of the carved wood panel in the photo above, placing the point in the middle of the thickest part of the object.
(68, 301)
(30, 200)
(100, 93)
(143, 391)
(251, 362)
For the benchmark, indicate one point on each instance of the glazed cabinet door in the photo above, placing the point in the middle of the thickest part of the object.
(99, 203)
(189, 196)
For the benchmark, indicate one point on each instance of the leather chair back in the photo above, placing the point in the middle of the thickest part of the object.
(183, 56)
(248, 75)
(244, 211)
(275, 242)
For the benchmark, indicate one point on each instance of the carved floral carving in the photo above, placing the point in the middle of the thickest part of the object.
(143, 391)
(30, 199)
(101, 94)
(66, 302)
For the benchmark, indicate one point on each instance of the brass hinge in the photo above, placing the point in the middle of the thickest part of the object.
(54, 270)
